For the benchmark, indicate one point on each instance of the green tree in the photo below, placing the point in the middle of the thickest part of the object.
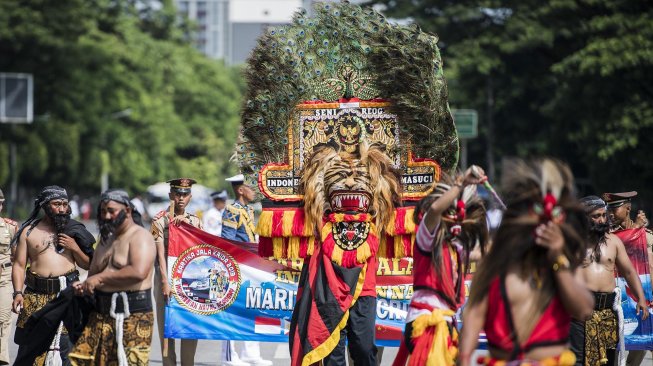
(117, 78)
(565, 78)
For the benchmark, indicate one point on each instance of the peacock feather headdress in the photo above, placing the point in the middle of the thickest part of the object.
(344, 53)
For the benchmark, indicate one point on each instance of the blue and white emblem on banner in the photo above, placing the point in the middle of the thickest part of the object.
(206, 279)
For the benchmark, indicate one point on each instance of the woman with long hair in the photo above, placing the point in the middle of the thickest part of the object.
(525, 292)
(451, 222)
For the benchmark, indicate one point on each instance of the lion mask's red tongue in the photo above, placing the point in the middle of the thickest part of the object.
(350, 235)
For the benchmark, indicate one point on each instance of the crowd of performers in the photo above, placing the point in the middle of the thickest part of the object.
(544, 290)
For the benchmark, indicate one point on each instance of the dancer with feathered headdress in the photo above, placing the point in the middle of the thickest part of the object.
(451, 223)
(524, 292)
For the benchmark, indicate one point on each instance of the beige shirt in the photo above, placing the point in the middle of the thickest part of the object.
(160, 227)
(8, 229)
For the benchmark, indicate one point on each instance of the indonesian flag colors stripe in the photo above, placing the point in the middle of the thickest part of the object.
(263, 325)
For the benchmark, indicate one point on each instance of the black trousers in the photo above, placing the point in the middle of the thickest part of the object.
(360, 332)
(65, 346)
(577, 343)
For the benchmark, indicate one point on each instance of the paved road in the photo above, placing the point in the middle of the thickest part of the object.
(208, 352)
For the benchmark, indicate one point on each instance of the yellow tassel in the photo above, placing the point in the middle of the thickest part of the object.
(383, 247)
(293, 247)
(277, 248)
(567, 358)
(326, 230)
(264, 226)
(363, 252)
(409, 224)
(311, 246)
(390, 227)
(308, 229)
(399, 247)
(337, 255)
(286, 221)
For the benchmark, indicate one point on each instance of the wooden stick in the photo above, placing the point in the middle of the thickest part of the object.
(171, 212)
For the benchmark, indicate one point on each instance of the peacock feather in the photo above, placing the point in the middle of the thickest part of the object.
(342, 52)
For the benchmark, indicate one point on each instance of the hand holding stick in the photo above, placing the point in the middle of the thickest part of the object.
(489, 187)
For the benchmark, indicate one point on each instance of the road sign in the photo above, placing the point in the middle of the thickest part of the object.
(466, 121)
(16, 98)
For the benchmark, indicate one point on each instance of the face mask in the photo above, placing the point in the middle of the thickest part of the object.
(108, 227)
(60, 221)
(601, 228)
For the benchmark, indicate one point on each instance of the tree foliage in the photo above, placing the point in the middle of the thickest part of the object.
(115, 78)
(568, 78)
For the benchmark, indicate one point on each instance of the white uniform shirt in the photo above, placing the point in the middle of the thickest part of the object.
(212, 220)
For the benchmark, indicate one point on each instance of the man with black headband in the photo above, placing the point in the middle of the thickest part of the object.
(119, 330)
(180, 195)
(54, 245)
(8, 229)
(596, 339)
(619, 208)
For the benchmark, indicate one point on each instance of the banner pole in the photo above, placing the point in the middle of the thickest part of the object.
(171, 212)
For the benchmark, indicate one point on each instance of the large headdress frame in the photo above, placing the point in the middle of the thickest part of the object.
(346, 56)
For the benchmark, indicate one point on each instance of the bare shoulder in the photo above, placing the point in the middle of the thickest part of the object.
(612, 239)
(141, 235)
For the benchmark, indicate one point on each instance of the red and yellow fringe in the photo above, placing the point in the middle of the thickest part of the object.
(283, 234)
(349, 258)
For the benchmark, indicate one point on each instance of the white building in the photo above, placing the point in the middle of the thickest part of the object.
(228, 29)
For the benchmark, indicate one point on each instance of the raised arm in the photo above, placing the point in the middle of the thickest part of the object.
(473, 321)
(439, 206)
(627, 270)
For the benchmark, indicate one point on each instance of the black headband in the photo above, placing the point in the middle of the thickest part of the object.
(117, 195)
(592, 203)
(46, 195)
(50, 193)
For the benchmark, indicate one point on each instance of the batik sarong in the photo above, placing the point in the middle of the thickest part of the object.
(601, 336)
(97, 345)
(33, 302)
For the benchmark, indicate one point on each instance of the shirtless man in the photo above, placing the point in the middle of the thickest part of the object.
(596, 339)
(119, 330)
(54, 246)
(619, 209)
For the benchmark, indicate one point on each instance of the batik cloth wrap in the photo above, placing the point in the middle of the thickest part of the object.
(604, 331)
(98, 346)
(33, 302)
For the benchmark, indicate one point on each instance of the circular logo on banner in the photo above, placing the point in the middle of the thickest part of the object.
(205, 279)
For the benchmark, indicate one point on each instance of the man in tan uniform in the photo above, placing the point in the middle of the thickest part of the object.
(7, 231)
(180, 195)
